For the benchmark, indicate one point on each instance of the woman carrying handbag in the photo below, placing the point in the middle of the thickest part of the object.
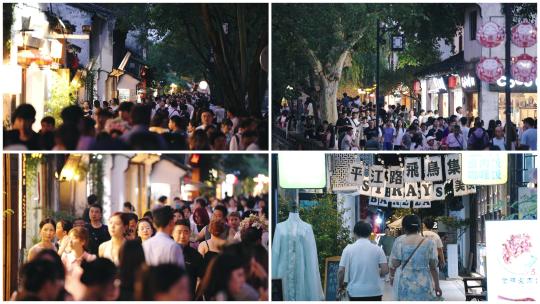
(413, 264)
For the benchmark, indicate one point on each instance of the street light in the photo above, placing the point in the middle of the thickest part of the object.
(398, 44)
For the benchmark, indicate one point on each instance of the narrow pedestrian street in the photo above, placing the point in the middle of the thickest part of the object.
(452, 290)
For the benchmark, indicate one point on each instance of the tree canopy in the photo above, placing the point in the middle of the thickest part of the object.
(316, 39)
(220, 43)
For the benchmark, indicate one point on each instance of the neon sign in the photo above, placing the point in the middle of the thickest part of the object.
(468, 81)
(501, 82)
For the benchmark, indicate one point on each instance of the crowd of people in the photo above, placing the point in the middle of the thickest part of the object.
(402, 129)
(409, 262)
(178, 251)
(184, 121)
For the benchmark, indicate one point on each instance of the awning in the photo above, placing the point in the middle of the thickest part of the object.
(165, 171)
(453, 64)
(127, 81)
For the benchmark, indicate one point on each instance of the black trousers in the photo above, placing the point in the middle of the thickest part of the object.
(375, 298)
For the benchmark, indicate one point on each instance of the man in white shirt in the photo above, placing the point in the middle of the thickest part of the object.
(361, 266)
(459, 112)
(428, 233)
(161, 248)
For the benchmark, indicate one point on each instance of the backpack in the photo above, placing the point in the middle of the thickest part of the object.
(478, 143)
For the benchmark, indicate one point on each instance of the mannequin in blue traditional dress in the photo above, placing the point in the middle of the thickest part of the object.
(294, 259)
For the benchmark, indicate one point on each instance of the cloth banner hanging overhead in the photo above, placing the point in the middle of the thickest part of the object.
(378, 191)
(438, 192)
(376, 176)
(426, 192)
(471, 189)
(433, 170)
(355, 174)
(460, 188)
(379, 202)
(452, 165)
(421, 204)
(412, 191)
(396, 193)
(412, 169)
(394, 177)
(365, 188)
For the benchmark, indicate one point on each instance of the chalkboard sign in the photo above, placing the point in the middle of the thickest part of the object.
(331, 278)
(277, 290)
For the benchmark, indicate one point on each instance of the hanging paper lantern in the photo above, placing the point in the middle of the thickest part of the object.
(490, 34)
(489, 69)
(524, 68)
(26, 57)
(524, 34)
(44, 60)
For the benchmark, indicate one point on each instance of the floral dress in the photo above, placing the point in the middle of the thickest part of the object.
(414, 282)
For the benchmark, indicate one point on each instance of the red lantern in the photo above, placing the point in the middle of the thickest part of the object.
(524, 34)
(524, 68)
(490, 34)
(489, 69)
(452, 82)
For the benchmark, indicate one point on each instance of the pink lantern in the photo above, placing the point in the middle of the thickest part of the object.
(524, 68)
(490, 34)
(524, 34)
(489, 69)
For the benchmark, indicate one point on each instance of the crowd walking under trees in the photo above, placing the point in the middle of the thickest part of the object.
(184, 121)
(400, 128)
(205, 249)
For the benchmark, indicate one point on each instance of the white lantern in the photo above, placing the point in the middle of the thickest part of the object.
(524, 35)
(490, 34)
(489, 69)
(524, 68)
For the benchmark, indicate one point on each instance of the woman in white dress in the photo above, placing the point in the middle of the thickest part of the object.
(47, 231)
(118, 223)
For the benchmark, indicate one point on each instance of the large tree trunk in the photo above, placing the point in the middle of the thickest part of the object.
(328, 102)
(329, 81)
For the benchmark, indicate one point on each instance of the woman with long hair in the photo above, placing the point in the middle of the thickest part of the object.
(223, 280)
(210, 248)
(47, 230)
(398, 135)
(201, 218)
(131, 261)
(118, 224)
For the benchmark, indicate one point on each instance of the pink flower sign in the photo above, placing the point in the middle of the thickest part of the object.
(490, 34)
(489, 69)
(524, 68)
(524, 34)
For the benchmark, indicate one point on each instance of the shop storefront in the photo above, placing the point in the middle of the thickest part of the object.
(512, 201)
(444, 94)
(470, 87)
(524, 99)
